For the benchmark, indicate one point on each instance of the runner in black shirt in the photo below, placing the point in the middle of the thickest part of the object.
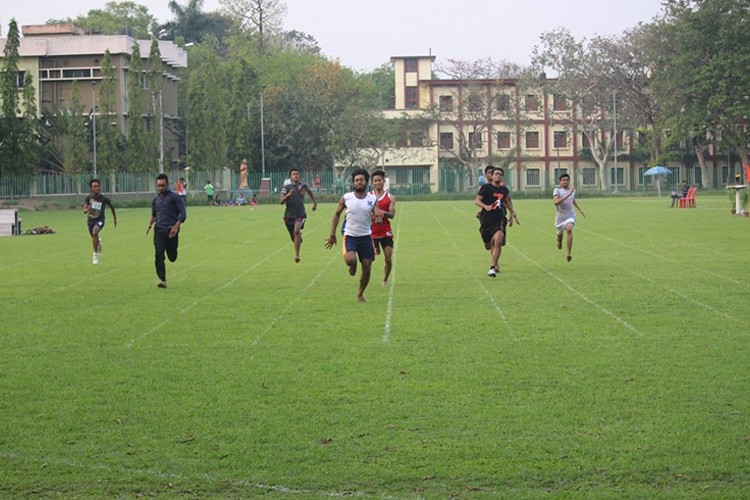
(493, 199)
(93, 206)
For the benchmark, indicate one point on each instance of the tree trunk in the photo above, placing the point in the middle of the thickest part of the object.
(702, 162)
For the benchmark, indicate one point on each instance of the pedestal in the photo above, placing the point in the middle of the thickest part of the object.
(737, 201)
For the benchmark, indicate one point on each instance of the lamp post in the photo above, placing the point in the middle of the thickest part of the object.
(93, 121)
(262, 139)
(161, 135)
(614, 109)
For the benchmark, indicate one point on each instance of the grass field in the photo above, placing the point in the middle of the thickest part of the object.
(621, 374)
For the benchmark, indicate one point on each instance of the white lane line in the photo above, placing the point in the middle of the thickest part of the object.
(481, 282)
(392, 278)
(212, 292)
(289, 305)
(583, 296)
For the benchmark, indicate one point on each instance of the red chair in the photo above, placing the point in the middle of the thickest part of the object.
(689, 200)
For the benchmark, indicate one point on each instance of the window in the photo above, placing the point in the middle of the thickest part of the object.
(446, 140)
(589, 176)
(618, 140)
(558, 172)
(532, 177)
(411, 65)
(446, 103)
(411, 97)
(585, 143)
(416, 139)
(402, 176)
(475, 140)
(21, 79)
(502, 102)
(532, 140)
(76, 73)
(474, 103)
(559, 103)
(503, 140)
(698, 179)
(532, 103)
(616, 176)
(561, 140)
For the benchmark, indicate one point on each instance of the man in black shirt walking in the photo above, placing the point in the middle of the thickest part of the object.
(168, 212)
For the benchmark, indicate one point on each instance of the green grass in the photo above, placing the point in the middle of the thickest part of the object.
(621, 374)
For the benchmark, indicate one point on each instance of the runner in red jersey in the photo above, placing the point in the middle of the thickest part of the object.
(382, 235)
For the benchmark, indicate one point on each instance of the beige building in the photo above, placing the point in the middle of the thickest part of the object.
(58, 55)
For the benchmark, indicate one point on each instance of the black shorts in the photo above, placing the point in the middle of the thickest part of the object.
(381, 243)
(289, 222)
(95, 223)
(487, 229)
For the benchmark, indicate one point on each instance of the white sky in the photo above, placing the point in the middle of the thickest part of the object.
(364, 34)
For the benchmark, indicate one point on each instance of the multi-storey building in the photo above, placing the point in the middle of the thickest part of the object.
(498, 121)
(58, 55)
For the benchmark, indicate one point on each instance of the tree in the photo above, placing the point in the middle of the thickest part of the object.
(586, 76)
(109, 145)
(154, 76)
(259, 17)
(116, 18)
(11, 130)
(137, 150)
(191, 24)
(703, 46)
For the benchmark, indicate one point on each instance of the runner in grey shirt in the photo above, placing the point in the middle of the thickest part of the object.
(564, 198)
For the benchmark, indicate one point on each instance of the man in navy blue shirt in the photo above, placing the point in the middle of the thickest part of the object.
(168, 212)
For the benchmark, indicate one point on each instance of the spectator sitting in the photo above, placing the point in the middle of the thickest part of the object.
(230, 200)
(254, 200)
(683, 194)
(240, 200)
(217, 201)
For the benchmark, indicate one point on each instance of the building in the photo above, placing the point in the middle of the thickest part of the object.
(462, 125)
(57, 55)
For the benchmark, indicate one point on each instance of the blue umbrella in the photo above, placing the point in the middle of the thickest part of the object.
(658, 170)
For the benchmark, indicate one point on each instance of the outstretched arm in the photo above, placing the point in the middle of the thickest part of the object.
(312, 197)
(335, 223)
(575, 204)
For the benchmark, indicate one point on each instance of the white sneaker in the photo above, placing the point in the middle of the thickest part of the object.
(95, 260)
(492, 272)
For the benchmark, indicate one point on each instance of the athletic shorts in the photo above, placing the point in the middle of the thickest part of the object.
(383, 242)
(561, 227)
(488, 229)
(289, 222)
(362, 245)
(99, 223)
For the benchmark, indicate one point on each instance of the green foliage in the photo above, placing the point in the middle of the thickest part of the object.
(137, 141)
(110, 140)
(617, 375)
(116, 18)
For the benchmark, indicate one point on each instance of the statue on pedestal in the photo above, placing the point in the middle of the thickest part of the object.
(243, 174)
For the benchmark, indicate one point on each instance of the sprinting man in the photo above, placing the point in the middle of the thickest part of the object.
(293, 196)
(382, 235)
(93, 207)
(361, 207)
(168, 212)
(493, 200)
(564, 198)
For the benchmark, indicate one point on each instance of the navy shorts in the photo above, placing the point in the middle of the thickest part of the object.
(95, 223)
(362, 245)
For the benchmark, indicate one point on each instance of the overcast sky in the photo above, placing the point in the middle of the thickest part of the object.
(364, 34)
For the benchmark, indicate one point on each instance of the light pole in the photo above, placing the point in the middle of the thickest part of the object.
(161, 135)
(262, 139)
(614, 109)
(93, 121)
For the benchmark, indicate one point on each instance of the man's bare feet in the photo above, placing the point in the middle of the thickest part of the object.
(384, 283)
(361, 298)
(569, 258)
(296, 259)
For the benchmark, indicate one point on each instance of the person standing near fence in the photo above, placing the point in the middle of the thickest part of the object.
(168, 213)
(93, 207)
